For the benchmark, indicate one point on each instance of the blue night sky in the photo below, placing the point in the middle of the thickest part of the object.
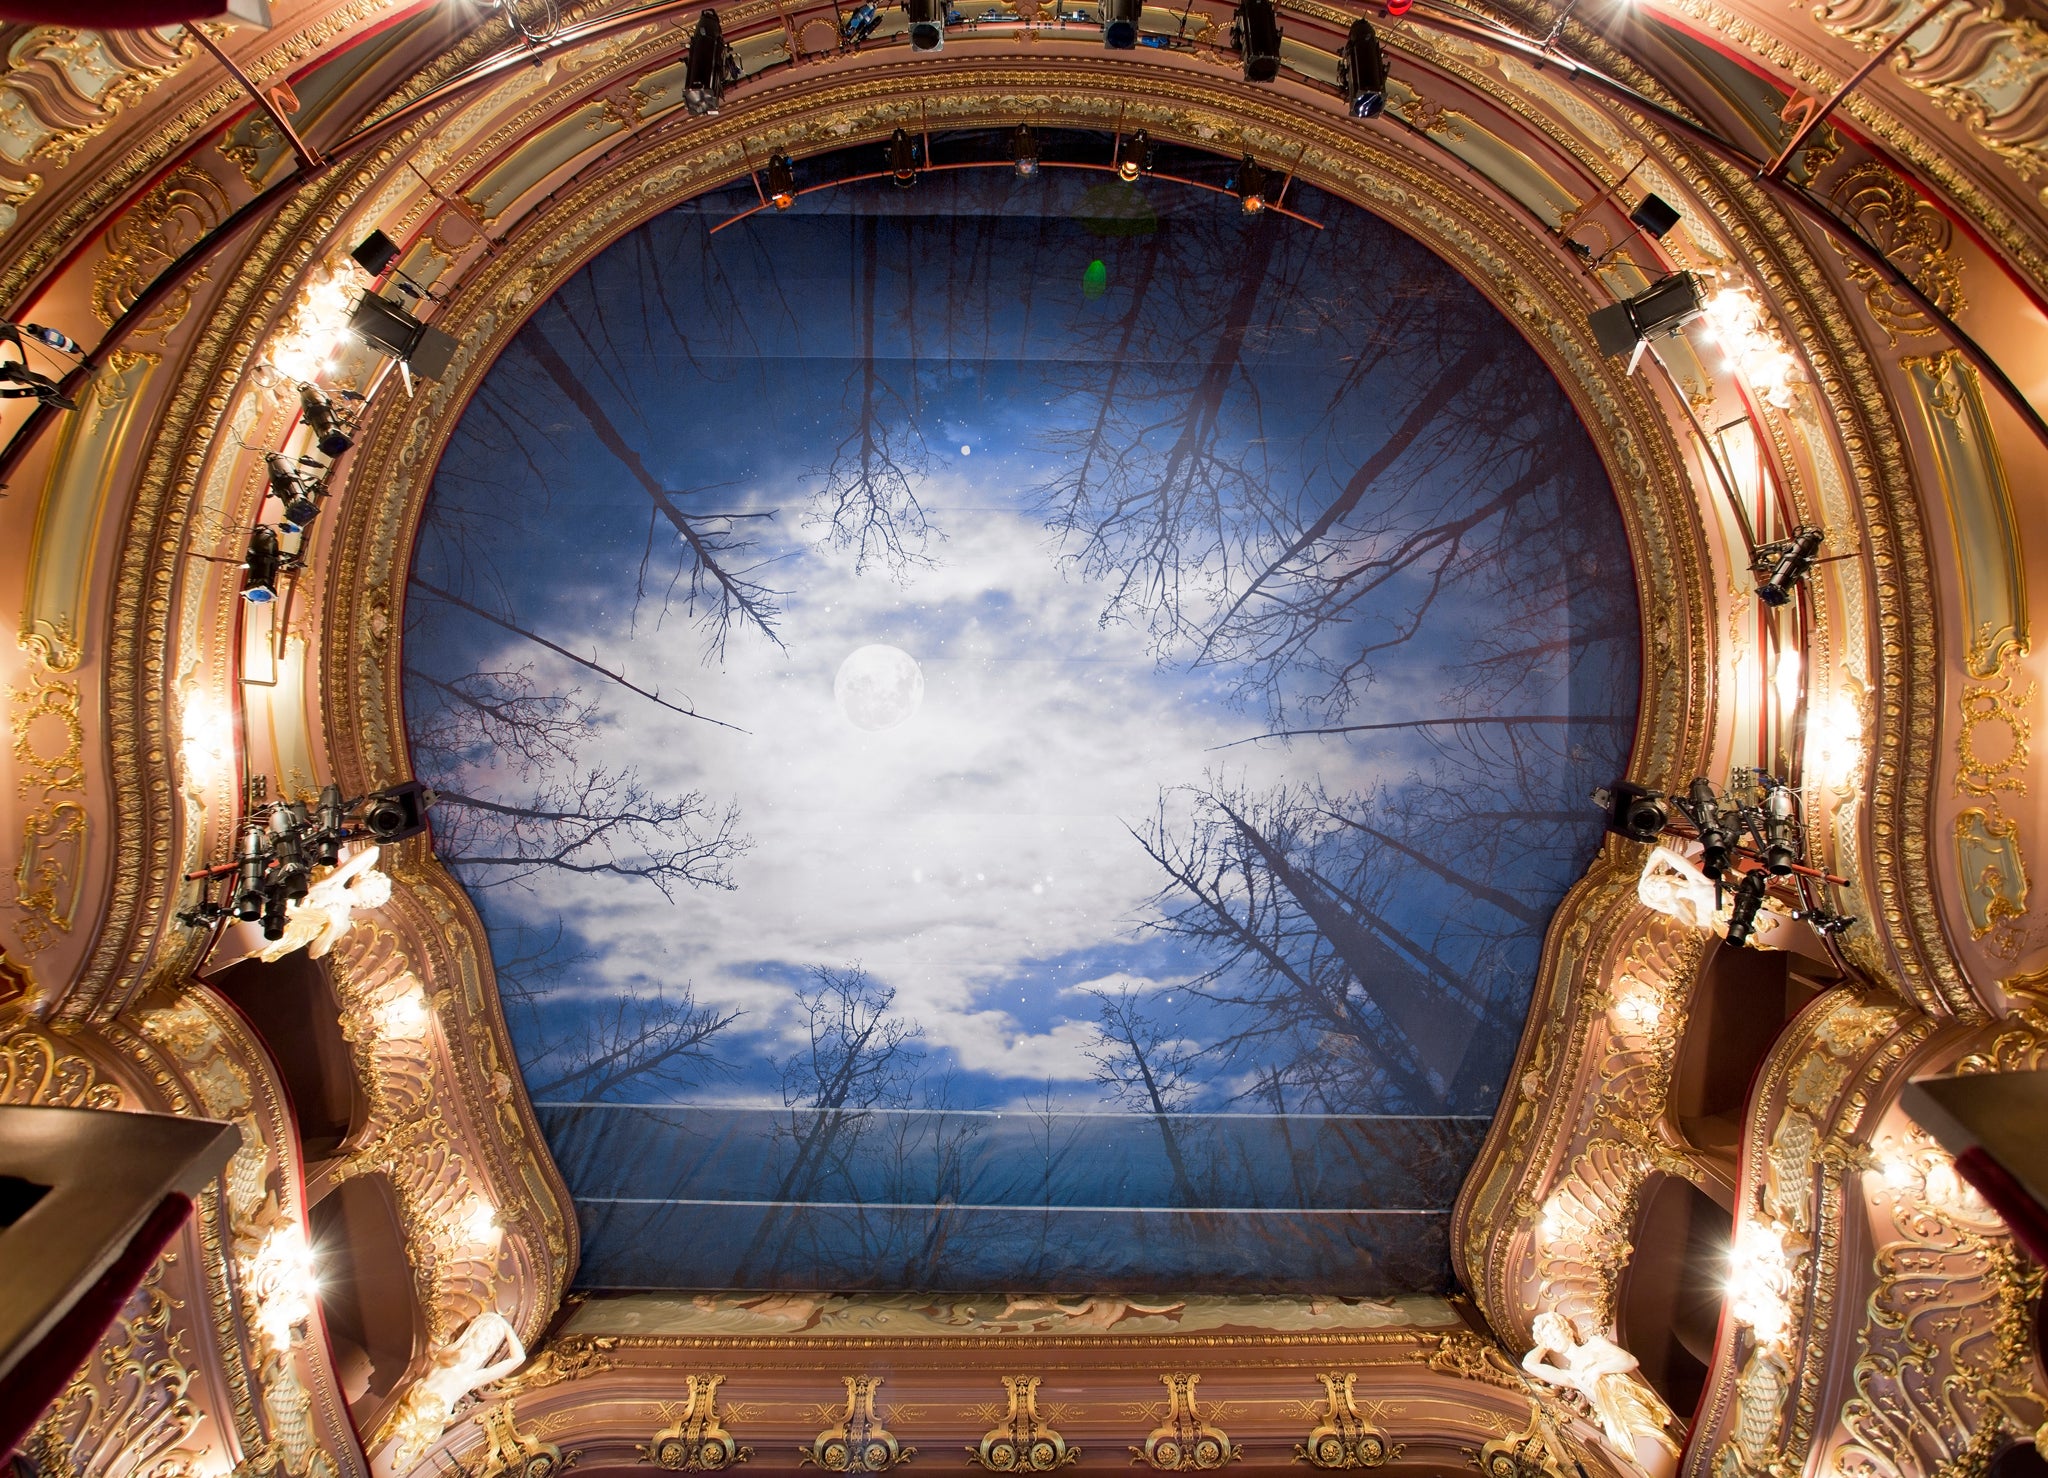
(1060, 981)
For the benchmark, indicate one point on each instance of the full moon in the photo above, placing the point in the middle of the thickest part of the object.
(878, 688)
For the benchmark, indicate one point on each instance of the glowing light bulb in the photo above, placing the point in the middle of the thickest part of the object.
(405, 1016)
(1785, 679)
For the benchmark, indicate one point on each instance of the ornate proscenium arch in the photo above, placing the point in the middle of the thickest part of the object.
(143, 699)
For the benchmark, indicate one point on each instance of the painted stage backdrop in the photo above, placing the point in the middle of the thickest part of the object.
(1018, 733)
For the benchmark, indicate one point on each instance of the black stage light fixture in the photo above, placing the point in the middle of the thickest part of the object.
(55, 338)
(1024, 151)
(299, 498)
(781, 181)
(397, 812)
(1664, 307)
(1654, 217)
(1251, 186)
(902, 159)
(328, 433)
(707, 67)
(252, 857)
(1717, 843)
(1633, 811)
(375, 253)
(1362, 71)
(260, 566)
(1789, 561)
(330, 826)
(1256, 34)
(927, 23)
(1134, 157)
(389, 329)
(19, 382)
(1749, 902)
(1781, 829)
(1120, 23)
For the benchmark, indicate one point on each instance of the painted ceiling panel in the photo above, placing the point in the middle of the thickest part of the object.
(1019, 732)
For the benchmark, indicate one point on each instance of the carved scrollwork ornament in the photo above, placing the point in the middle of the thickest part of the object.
(511, 1453)
(858, 1442)
(696, 1442)
(1185, 1441)
(1022, 1442)
(1344, 1438)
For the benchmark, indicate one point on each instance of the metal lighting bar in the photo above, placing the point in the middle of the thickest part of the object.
(308, 158)
(1817, 113)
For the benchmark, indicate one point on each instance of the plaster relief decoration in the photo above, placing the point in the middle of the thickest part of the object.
(49, 763)
(1021, 1441)
(1991, 760)
(1185, 1441)
(488, 1349)
(128, 1409)
(1344, 1438)
(149, 236)
(511, 1453)
(1947, 1373)
(1634, 1419)
(695, 1441)
(60, 87)
(1913, 235)
(857, 1442)
(1986, 66)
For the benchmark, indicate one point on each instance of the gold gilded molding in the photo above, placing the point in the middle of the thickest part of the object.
(857, 1442)
(1993, 872)
(1915, 236)
(1185, 1441)
(1537, 1450)
(1981, 519)
(694, 1441)
(1021, 1441)
(1995, 704)
(37, 1068)
(72, 511)
(131, 1404)
(1344, 1438)
(149, 236)
(1946, 1370)
(50, 872)
(511, 1453)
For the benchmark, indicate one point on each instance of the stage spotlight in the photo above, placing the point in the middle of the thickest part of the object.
(707, 67)
(927, 23)
(330, 826)
(299, 498)
(1633, 811)
(1654, 217)
(389, 329)
(782, 182)
(1789, 561)
(1749, 902)
(1024, 151)
(1781, 829)
(1120, 23)
(902, 159)
(397, 812)
(328, 433)
(1256, 35)
(1251, 186)
(1664, 307)
(1717, 843)
(260, 565)
(375, 253)
(1362, 71)
(1134, 157)
(251, 858)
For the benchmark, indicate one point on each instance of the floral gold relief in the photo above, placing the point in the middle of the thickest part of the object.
(1185, 1441)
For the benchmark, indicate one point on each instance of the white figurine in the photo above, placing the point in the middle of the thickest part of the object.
(323, 915)
(1629, 1412)
(1672, 885)
(459, 1368)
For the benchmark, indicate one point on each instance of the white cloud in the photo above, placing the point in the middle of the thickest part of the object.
(985, 832)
